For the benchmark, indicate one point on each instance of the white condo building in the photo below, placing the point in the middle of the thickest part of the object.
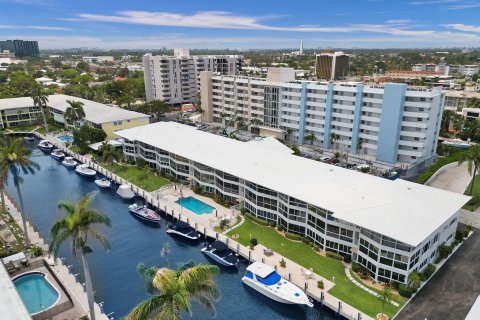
(391, 123)
(174, 79)
(391, 227)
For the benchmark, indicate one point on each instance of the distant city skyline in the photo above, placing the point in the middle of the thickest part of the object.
(242, 25)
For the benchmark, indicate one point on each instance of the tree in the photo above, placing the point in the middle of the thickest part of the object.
(473, 102)
(86, 135)
(288, 133)
(414, 280)
(334, 137)
(311, 137)
(177, 289)
(22, 84)
(75, 112)
(360, 143)
(472, 157)
(447, 118)
(155, 107)
(109, 153)
(40, 100)
(15, 159)
(385, 297)
(77, 226)
(148, 273)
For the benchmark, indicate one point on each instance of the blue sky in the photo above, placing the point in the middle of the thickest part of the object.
(148, 24)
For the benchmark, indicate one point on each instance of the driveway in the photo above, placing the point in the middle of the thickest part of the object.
(452, 290)
(455, 179)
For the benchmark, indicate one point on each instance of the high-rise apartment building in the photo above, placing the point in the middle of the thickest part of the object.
(21, 48)
(392, 123)
(175, 79)
(331, 66)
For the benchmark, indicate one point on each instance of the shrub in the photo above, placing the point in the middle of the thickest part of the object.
(283, 263)
(334, 255)
(293, 236)
(273, 224)
(429, 270)
(454, 156)
(37, 251)
(320, 284)
(356, 267)
(347, 258)
(259, 221)
(306, 240)
(459, 236)
(405, 291)
(364, 273)
(254, 241)
(444, 251)
(316, 247)
(280, 228)
(465, 233)
(469, 227)
(295, 149)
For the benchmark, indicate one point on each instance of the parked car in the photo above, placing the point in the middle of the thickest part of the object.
(324, 159)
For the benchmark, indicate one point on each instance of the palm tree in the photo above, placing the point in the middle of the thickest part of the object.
(40, 99)
(472, 157)
(165, 251)
(288, 133)
(109, 153)
(385, 297)
(75, 112)
(360, 143)
(177, 289)
(77, 226)
(148, 273)
(447, 118)
(14, 159)
(414, 280)
(310, 137)
(334, 137)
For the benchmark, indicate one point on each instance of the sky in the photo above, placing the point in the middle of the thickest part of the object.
(245, 24)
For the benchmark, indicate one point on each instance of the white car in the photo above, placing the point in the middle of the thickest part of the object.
(324, 159)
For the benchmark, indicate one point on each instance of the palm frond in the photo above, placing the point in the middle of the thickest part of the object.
(146, 308)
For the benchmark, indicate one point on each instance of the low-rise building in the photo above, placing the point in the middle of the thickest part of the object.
(457, 100)
(16, 112)
(392, 228)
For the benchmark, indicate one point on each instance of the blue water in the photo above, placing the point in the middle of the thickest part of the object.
(114, 274)
(37, 294)
(196, 206)
(65, 138)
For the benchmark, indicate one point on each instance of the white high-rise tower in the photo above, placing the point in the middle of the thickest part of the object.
(301, 48)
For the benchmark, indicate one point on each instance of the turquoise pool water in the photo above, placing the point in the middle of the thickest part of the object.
(36, 292)
(65, 138)
(195, 205)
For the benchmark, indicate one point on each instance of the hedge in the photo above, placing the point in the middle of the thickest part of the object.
(356, 267)
(452, 157)
(334, 255)
(405, 291)
(259, 221)
(429, 270)
(293, 236)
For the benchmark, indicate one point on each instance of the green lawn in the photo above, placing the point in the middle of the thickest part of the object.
(24, 128)
(476, 192)
(328, 268)
(143, 178)
(51, 128)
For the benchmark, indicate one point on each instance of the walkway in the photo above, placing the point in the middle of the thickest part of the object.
(454, 178)
(75, 289)
(358, 284)
(454, 287)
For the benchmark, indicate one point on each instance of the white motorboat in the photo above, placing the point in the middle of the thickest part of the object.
(69, 162)
(183, 229)
(57, 154)
(45, 146)
(84, 170)
(103, 183)
(268, 282)
(125, 192)
(220, 252)
(142, 212)
(28, 138)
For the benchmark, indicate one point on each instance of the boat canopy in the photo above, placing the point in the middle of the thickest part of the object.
(219, 246)
(260, 269)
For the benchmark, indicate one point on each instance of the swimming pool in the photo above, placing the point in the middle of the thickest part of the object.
(195, 205)
(65, 138)
(36, 292)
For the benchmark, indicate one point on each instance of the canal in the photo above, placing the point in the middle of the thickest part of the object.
(115, 279)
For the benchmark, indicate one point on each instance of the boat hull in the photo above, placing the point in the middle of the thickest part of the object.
(217, 258)
(69, 165)
(84, 174)
(45, 149)
(58, 158)
(183, 235)
(145, 219)
(102, 184)
(261, 289)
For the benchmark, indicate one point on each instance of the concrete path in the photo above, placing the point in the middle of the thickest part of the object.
(452, 290)
(454, 179)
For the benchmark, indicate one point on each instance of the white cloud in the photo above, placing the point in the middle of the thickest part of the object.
(463, 27)
(5, 26)
(399, 21)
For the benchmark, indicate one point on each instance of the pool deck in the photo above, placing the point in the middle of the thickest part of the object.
(165, 199)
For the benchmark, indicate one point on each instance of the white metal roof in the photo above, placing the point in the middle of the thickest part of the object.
(260, 269)
(402, 210)
(94, 111)
(11, 305)
(270, 143)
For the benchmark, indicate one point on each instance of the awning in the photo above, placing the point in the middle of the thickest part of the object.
(115, 143)
(14, 257)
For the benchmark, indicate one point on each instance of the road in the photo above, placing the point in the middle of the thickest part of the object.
(455, 179)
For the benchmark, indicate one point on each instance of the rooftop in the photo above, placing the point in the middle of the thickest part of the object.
(94, 111)
(402, 210)
(11, 306)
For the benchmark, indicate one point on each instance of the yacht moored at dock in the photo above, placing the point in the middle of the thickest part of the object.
(84, 170)
(183, 229)
(69, 162)
(220, 252)
(57, 154)
(45, 146)
(268, 282)
(142, 212)
(125, 192)
(103, 183)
